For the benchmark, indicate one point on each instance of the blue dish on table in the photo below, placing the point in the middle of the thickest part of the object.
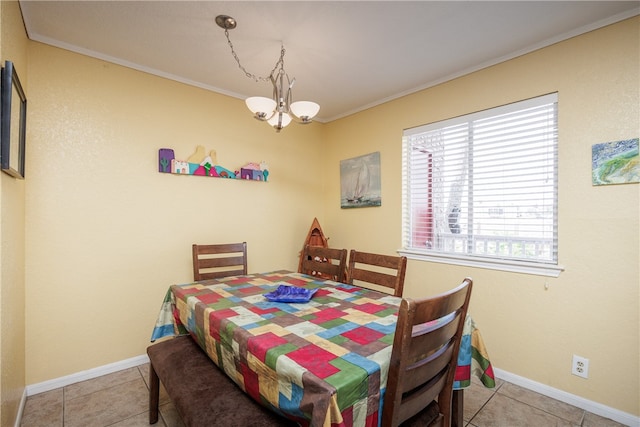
(286, 293)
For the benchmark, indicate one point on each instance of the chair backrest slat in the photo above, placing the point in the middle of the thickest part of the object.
(326, 263)
(219, 260)
(424, 356)
(422, 398)
(422, 373)
(383, 270)
(431, 341)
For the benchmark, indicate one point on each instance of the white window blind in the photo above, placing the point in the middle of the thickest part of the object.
(484, 186)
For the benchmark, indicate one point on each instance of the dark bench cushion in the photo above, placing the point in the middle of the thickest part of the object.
(202, 394)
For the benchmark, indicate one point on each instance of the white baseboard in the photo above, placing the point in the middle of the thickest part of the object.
(563, 396)
(86, 375)
(571, 399)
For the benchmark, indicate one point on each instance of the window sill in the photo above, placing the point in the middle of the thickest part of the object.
(539, 269)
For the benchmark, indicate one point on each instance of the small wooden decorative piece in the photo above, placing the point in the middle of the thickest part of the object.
(315, 237)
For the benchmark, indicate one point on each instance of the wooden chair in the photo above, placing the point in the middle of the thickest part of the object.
(383, 270)
(424, 359)
(327, 263)
(221, 260)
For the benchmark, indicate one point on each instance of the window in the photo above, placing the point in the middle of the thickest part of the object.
(482, 189)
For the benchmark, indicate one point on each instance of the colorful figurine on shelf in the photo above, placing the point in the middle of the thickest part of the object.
(224, 173)
(180, 167)
(166, 157)
(197, 156)
(254, 171)
(201, 164)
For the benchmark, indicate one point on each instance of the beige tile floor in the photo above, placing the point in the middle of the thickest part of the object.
(120, 400)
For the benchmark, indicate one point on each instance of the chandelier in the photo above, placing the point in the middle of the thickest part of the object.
(278, 109)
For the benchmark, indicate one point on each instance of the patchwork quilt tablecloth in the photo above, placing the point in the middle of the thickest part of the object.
(322, 363)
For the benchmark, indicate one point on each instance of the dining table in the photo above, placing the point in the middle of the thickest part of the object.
(320, 359)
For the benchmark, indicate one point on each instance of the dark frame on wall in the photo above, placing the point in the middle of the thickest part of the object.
(13, 124)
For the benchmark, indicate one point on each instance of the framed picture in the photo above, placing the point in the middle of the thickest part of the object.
(360, 181)
(13, 124)
(616, 162)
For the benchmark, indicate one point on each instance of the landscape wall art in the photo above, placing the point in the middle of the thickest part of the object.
(615, 162)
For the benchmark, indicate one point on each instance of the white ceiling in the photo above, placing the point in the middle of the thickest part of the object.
(346, 55)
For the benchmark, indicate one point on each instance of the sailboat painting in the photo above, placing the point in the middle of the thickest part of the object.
(360, 181)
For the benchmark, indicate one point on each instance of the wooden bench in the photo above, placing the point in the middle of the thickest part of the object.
(202, 394)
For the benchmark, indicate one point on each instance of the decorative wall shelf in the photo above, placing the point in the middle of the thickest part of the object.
(201, 164)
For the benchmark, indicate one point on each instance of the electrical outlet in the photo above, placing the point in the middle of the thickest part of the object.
(580, 366)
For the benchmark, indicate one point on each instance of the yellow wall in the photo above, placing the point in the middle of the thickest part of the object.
(13, 47)
(107, 233)
(592, 309)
